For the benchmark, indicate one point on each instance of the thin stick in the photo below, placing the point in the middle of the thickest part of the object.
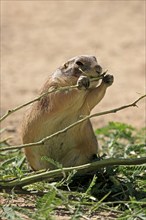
(61, 89)
(9, 112)
(42, 142)
(82, 169)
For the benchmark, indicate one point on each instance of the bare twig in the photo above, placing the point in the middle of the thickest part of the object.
(59, 173)
(42, 142)
(9, 112)
(61, 89)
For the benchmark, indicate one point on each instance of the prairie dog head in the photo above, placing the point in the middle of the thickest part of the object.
(82, 65)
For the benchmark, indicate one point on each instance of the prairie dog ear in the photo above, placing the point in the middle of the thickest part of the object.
(65, 65)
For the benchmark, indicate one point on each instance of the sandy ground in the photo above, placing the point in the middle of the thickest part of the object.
(38, 36)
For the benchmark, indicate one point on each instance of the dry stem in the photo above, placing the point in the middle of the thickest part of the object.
(65, 88)
(41, 142)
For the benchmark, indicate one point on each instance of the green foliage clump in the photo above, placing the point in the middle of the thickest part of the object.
(115, 190)
(122, 140)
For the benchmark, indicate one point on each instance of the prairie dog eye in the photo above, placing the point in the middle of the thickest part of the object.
(79, 63)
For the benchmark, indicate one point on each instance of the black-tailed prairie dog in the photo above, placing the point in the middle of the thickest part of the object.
(60, 109)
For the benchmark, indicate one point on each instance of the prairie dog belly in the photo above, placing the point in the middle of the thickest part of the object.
(64, 148)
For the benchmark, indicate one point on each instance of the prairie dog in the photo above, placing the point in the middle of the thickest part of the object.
(58, 110)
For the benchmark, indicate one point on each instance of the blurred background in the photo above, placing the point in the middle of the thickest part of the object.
(38, 36)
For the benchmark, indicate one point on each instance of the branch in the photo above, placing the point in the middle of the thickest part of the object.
(59, 173)
(11, 111)
(42, 142)
(61, 89)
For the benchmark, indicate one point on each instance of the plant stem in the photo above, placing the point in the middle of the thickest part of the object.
(82, 169)
(61, 89)
(42, 142)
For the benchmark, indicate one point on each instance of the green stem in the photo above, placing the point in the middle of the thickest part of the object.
(82, 169)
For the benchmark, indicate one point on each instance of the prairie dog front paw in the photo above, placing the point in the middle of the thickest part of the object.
(83, 82)
(108, 80)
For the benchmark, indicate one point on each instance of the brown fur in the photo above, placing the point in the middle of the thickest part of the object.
(60, 109)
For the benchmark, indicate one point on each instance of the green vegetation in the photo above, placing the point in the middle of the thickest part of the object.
(113, 192)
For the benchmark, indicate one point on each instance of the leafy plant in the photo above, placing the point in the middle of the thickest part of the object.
(122, 140)
(119, 190)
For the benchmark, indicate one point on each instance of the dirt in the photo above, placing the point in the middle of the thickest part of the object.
(27, 203)
(38, 36)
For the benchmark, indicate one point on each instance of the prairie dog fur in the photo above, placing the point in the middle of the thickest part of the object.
(58, 110)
